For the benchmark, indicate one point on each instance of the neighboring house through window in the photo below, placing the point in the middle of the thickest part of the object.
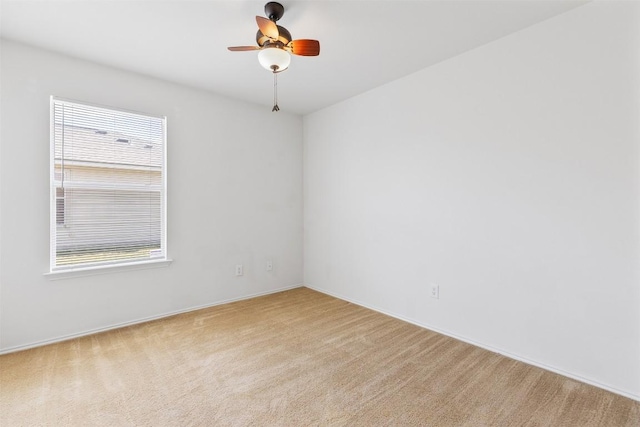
(108, 186)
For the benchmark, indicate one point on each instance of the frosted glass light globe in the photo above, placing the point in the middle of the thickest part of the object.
(273, 56)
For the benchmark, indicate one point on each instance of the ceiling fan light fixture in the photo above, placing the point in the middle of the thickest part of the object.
(274, 59)
(276, 45)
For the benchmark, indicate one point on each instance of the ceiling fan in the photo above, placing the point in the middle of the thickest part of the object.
(275, 44)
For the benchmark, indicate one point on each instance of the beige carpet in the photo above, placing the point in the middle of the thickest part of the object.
(297, 358)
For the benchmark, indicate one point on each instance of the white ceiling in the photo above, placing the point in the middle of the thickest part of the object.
(363, 43)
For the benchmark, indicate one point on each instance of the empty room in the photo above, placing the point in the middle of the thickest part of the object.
(319, 213)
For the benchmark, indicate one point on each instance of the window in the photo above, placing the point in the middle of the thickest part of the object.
(108, 186)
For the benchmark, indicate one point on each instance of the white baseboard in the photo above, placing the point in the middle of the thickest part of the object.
(137, 321)
(589, 381)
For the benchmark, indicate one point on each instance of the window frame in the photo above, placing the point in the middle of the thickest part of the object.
(101, 267)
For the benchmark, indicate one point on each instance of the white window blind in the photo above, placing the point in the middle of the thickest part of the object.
(108, 186)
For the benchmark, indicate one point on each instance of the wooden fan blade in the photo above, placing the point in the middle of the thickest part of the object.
(242, 48)
(305, 47)
(267, 27)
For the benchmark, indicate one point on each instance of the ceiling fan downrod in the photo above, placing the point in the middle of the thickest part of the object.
(274, 11)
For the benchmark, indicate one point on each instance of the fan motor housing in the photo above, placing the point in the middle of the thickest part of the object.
(284, 37)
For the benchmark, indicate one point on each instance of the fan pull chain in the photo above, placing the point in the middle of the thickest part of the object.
(275, 93)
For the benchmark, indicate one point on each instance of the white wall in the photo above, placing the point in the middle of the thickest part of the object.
(234, 197)
(508, 175)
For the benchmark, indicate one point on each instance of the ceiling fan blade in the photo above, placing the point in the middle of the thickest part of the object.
(242, 48)
(305, 47)
(267, 27)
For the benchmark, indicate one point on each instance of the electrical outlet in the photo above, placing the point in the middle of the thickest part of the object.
(269, 265)
(239, 270)
(435, 291)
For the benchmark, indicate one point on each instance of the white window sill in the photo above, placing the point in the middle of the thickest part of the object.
(106, 269)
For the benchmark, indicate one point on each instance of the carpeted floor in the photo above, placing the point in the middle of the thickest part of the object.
(296, 358)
